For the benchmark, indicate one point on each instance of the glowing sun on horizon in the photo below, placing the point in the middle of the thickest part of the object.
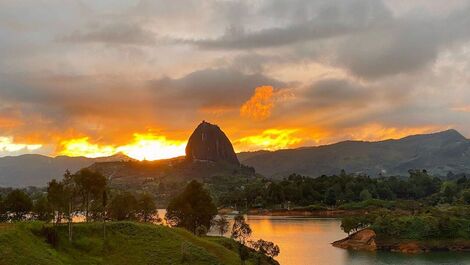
(144, 147)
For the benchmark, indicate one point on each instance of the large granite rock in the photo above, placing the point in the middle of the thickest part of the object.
(209, 143)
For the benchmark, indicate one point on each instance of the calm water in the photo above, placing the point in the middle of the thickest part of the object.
(306, 241)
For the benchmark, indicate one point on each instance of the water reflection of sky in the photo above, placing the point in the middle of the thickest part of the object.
(307, 241)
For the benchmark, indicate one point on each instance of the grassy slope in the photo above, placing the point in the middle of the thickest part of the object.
(127, 243)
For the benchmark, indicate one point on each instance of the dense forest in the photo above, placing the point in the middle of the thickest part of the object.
(343, 190)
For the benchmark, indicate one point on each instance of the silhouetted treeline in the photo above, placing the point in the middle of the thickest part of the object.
(83, 194)
(297, 190)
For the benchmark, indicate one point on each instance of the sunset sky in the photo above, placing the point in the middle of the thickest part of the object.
(93, 78)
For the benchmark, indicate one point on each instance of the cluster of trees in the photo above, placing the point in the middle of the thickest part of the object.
(83, 193)
(195, 211)
(340, 189)
(429, 223)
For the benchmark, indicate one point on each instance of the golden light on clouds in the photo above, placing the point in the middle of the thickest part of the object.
(143, 147)
(377, 132)
(8, 145)
(7, 122)
(272, 139)
(259, 106)
(82, 147)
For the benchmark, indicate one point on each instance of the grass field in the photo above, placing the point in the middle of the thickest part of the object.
(126, 243)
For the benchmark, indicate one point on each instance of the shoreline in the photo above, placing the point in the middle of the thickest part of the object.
(307, 213)
(367, 240)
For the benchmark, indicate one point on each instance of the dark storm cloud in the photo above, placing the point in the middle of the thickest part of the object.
(336, 93)
(222, 87)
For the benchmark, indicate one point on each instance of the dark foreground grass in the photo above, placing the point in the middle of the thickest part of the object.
(126, 243)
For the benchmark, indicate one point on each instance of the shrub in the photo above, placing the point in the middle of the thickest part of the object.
(51, 235)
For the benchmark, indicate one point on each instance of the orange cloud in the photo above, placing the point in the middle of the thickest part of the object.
(259, 106)
(6, 122)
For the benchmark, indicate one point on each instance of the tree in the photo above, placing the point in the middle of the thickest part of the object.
(3, 211)
(69, 197)
(240, 229)
(122, 207)
(466, 196)
(19, 204)
(146, 208)
(354, 223)
(365, 195)
(56, 196)
(192, 208)
(449, 191)
(330, 197)
(90, 185)
(266, 248)
(201, 230)
(221, 225)
(42, 210)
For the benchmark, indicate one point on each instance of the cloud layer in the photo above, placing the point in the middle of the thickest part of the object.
(297, 72)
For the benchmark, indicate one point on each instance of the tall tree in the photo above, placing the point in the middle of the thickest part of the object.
(241, 231)
(90, 185)
(221, 224)
(42, 209)
(146, 208)
(330, 197)
(192, 208)
(70, 195)
(122, 207)
(56, 196)
(19, 204)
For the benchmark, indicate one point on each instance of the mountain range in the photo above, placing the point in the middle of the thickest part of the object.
(37, 170)
(438, 153)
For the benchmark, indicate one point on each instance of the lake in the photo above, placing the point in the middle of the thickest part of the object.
(306, 241)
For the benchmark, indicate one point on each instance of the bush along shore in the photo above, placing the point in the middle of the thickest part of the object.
(443, 228)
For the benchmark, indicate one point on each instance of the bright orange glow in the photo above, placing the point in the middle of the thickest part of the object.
(259, 106)
(151, 147)
(272, 139)
(144, 147)
(82, 147)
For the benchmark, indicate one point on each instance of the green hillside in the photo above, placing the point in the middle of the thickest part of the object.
(126, 243)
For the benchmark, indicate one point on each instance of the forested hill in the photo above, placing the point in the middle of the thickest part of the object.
(439, 153)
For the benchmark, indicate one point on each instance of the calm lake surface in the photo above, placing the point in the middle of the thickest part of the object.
(306, 241)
